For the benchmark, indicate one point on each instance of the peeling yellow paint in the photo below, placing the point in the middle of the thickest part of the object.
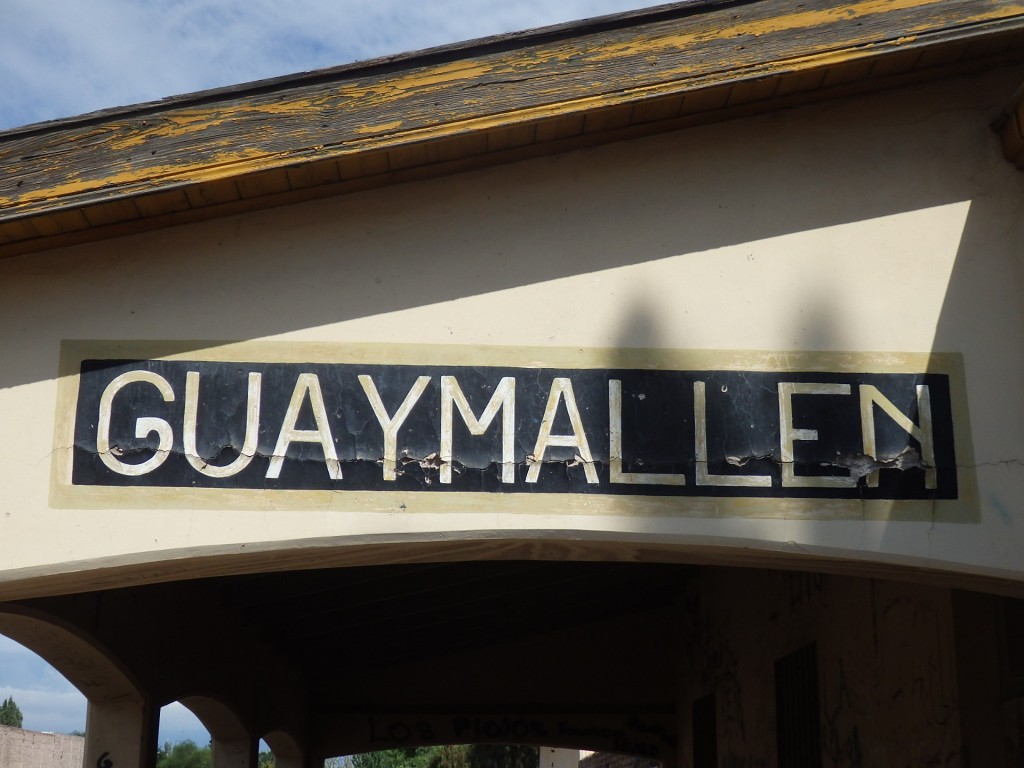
(799, 20)
(210, 170)
(231, 152)
(169, 125)
(379, 128)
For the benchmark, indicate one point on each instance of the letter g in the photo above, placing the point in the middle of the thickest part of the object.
(143, 425)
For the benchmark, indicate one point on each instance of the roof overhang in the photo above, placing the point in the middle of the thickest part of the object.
(447, 109)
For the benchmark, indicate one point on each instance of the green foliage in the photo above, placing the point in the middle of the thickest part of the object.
(449, 756)
(452, 756)
(10, 714)
(419, 757)
(266, 760)
(184, 754)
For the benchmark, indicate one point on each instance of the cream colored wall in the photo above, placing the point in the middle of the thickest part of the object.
(881, 224)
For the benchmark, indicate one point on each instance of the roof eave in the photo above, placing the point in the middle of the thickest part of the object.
(459, 107)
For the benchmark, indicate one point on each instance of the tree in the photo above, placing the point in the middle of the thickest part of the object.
(10, 714)
(450, 756)
(184, 754)
(416, 757)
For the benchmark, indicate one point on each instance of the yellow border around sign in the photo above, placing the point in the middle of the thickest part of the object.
(64, 495)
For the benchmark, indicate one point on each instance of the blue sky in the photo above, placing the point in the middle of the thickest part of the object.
(49, 702)
(60, 58)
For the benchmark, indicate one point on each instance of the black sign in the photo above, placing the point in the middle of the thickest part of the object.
(514, 430)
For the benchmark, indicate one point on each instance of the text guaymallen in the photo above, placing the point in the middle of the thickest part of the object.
(208, 424)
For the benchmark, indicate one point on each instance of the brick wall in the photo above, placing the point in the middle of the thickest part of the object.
(31, 749)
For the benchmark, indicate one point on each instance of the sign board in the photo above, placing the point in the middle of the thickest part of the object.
(682, 426)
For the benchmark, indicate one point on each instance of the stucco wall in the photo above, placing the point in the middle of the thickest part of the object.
(882, 224)
(32, 749)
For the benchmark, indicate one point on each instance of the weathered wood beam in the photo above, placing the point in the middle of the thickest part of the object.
(221, 150)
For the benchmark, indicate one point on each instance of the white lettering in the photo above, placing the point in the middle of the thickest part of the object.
(615, 473)
(870, 395)
(389, 424)
(789, 434)
(562, 388)
(700, 440)
(143, 425)
(504, 398)
(252, 423)
(306, 385)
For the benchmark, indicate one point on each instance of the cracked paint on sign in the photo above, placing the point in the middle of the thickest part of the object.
(496, 429)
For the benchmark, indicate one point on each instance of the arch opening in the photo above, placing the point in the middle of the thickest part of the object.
(278, 749)
(81, 660)
(117, 718)
(488, 755)
(648, 660)
(46, 699)
(179, 723)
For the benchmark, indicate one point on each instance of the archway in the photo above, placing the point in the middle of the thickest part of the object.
(120, 722)
(285, 750)
(47, 700)
(233, 745)
(178, 723)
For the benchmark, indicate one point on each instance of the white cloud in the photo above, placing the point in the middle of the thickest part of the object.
(48, 702)
(64, 57)
(42, 710)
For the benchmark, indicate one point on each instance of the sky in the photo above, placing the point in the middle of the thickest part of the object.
(48, 702)
(61, 58)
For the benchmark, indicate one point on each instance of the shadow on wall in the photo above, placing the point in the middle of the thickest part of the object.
(694, 239)
(919, 241)
(359, 258)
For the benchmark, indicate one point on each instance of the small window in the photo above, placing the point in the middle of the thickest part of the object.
(798, 721)
(705, 733)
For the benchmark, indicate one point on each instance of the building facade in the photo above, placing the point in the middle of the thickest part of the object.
(649, 385)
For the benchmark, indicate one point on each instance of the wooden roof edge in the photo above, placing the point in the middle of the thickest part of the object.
(433, 55)
(134, 195)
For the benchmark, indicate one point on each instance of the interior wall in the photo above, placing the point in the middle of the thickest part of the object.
(885, 669)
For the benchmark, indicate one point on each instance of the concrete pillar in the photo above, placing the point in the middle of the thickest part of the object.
(120, 734)
(287, 753)
(233, 746)
(289, 761)
(234, 753)
(555, 757)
